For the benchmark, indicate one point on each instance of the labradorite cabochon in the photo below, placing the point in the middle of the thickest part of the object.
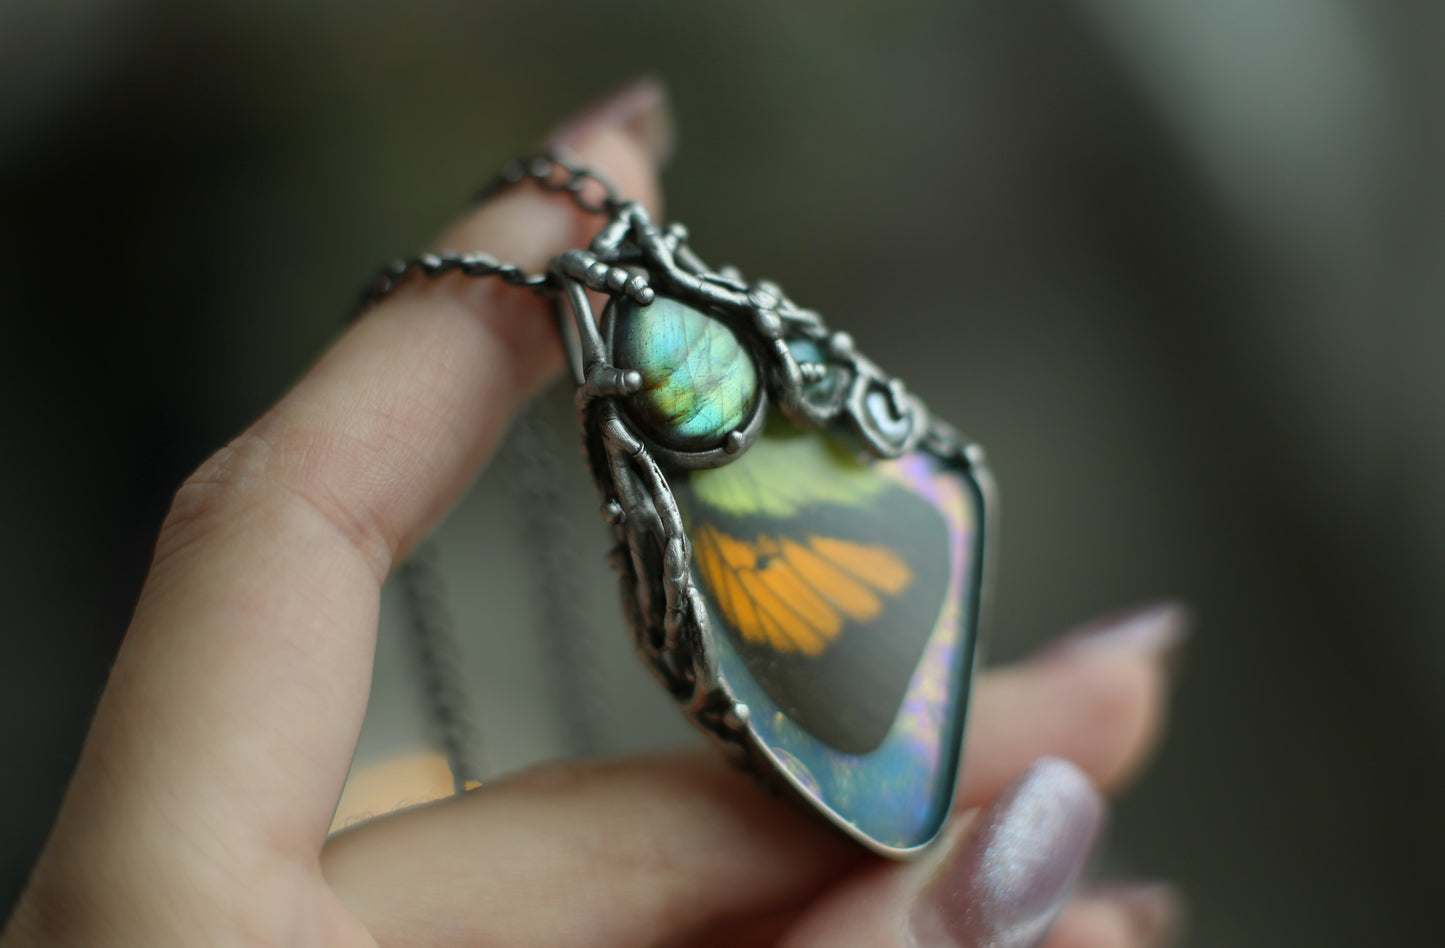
(698, 381)
(842, 593)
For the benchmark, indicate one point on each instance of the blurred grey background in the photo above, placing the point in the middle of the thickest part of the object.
(1178, 265)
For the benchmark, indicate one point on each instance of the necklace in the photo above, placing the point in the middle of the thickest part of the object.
(801, 543)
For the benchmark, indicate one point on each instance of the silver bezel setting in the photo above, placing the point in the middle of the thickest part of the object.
(633, 258)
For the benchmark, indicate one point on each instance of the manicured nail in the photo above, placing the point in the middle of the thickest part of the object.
(639, 108)
(1154, 911)
(1010, 875)
(1158, 629)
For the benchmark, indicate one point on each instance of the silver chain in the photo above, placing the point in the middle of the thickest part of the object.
(435, 642)
(588, 190)
(534, 467)
(536, 475)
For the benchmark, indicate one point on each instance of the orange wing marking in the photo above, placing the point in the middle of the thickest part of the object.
(795, 596)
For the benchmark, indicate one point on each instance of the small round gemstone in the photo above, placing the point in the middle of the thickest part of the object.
(698, 381)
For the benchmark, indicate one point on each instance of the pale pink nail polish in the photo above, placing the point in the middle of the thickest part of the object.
(1158, 630)
(639, 108)
(1010, 876)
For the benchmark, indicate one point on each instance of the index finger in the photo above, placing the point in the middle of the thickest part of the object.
(235, 701)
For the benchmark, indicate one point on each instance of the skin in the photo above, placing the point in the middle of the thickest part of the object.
(199, 809)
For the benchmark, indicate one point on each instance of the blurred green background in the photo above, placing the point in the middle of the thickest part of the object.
(1177, 265)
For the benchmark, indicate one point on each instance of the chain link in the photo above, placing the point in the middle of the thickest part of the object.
(556, 173)
(587, 189)
(433, 265)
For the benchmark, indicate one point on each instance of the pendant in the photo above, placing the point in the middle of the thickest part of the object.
(801, 544)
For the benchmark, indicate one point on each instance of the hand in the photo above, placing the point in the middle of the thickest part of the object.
(198, 813)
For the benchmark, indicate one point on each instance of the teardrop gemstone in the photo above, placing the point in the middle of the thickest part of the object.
(698, 381)
(842, 592)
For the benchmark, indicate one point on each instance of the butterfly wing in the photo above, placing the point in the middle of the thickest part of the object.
(827, 576)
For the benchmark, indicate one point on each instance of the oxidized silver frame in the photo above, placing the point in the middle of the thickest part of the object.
(631, 257)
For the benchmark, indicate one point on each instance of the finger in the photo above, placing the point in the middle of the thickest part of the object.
(235, 702)
(1002, 881)
(457, 867)
(1120, 915)
(1096, 697)
(624, 853)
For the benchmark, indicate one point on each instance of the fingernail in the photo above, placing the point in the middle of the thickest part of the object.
(1011, 874)
(1159, 629)
(640, 109)
(1154, 911)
